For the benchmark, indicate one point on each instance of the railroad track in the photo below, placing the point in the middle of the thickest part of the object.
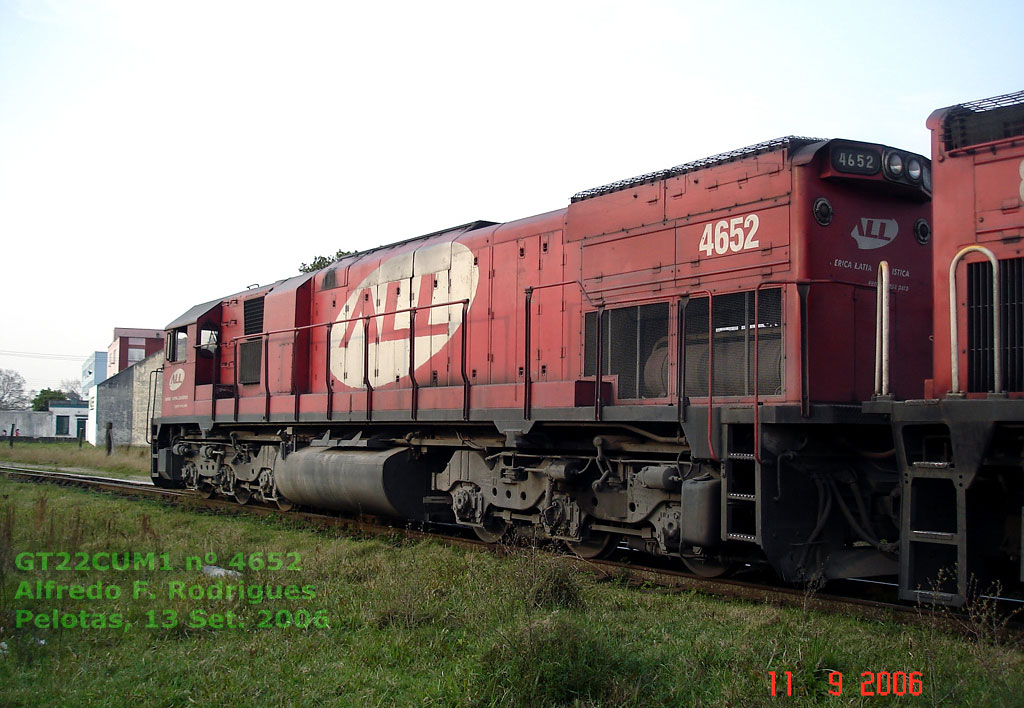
(620, 568)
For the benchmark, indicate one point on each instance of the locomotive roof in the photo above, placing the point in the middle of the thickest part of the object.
(461, 228)
(983, 121)
(990, 104)
(792, 142)
(192, 315)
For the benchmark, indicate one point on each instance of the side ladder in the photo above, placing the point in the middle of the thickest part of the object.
(933, 538)
(741, 485)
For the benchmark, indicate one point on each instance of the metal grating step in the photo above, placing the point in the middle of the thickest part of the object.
(934, 537)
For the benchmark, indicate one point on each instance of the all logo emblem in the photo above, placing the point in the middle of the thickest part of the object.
(428, 276)
(177, 379)
(875, 233)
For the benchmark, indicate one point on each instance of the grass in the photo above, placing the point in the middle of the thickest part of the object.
(421, 624)
(124, 462)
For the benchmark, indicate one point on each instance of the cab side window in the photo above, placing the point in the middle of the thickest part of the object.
(177, 345)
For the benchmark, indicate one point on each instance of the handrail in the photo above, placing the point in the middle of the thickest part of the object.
(599, 360)
(527, 383)
(295, 375)
(151, 403)
(711, 372)
(757, 376)
(954, 344)
(462, 358)
(681, 334)
(414, 395)
(328, 377)
(234, 381)
(366, 367)
(266, 376)
(681, 354)
(286, 330)
(968, 149)
(882, 330)
(527, 378)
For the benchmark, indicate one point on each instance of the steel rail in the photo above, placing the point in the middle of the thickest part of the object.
(639, 575)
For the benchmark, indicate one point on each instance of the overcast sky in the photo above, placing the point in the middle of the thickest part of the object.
(155, 155)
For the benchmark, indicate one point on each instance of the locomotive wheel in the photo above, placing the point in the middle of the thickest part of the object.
(705, 567)
(282, 503)
(596, 545)
(493, 532)
(242, 495)
(205, 490)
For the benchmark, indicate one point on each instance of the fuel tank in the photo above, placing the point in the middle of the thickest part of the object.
(378, 482)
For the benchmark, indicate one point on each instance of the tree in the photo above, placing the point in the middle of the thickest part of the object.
(42, 400)
(72, 388)
(321, 262)
(12, 391)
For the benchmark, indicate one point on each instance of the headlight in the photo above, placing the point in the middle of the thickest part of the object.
(922, 232)
(823, 211)
(894, 164)
(926, 179)
(914, 169)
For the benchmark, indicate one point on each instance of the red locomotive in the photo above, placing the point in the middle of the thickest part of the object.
(678, 361)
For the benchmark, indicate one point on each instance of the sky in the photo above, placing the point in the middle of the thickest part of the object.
(156, 155)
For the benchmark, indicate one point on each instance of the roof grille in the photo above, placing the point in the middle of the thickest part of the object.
(791, 142)
(983, 121)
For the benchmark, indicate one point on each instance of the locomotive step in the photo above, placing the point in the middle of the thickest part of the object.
(921, 465)
(942, 537)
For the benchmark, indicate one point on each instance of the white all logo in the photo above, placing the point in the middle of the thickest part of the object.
(177, 379)
(433, 275)
(875, 233)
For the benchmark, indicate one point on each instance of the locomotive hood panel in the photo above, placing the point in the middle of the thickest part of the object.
(425, 279)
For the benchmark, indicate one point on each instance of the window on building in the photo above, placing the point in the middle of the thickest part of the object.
(62, 425)
(135, 355)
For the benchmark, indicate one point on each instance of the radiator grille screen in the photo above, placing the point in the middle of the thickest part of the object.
(253, 315)
(984, 121)
(251, 361)
(733, 329)
(635, 349)
(980, 374)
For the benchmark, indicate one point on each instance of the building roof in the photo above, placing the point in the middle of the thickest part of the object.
(130, 332)
(68, 404)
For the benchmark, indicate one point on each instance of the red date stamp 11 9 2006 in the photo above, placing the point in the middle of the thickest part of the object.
(872, 683)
